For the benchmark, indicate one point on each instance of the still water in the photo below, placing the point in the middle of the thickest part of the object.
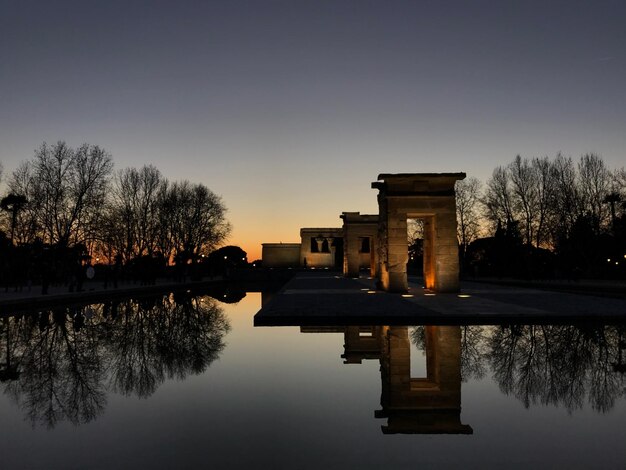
(188, 382)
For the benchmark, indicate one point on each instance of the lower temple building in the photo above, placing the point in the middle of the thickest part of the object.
(319, 248)
(324, 247)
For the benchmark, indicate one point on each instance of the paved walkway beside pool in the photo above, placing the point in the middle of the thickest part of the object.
(328, 298)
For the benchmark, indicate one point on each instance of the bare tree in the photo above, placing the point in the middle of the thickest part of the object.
(524, 185)
(467, 214)
(617, 196)
(498, 199)
(13, 203)
(133, 212)
(66, 190)
(27, 225)
(414, 230)
(546, 198)
(619, 181)
(192, 220)
(567, 201)
(93, 170)
(546, 183)
(594, 183)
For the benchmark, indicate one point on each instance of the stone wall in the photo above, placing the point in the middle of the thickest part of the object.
(281, 255)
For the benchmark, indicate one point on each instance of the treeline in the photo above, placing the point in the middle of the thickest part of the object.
(543, 217)
(70, 202)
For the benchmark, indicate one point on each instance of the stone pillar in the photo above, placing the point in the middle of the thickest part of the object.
(320, 242)
(395, 278)
(373, 257)
(351, 255)
(381, 244)
(446, 253)
(393, 247)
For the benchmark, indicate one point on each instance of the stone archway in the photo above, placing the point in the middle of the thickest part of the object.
(426, 196)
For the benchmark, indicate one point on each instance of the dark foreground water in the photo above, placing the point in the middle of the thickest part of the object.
(188, 382)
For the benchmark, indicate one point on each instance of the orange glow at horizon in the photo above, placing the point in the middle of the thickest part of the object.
(256, 222)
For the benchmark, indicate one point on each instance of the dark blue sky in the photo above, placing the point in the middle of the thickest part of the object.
(289, 109)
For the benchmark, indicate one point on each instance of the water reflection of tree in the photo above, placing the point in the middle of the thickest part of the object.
(57, 365)
(558, 365)
(61, 370)
(472, 352)
(164, 338)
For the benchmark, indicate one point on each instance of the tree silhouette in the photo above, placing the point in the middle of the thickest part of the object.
(62, 372)
(612, 199)
(13, 203)
(467, 198)
(558, 365)
(66, 190)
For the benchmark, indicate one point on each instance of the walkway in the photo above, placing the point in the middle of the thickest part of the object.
(324, 298)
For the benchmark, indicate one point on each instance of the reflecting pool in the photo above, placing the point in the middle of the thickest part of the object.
(182, 381)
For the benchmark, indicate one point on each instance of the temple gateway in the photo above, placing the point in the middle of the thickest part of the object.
(379, 242)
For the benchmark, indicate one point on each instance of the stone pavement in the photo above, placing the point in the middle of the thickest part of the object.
(610, 288)
(326, 298)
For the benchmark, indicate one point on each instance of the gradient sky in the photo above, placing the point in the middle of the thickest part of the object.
(289, 109)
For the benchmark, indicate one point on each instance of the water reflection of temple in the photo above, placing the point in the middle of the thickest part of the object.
(411, 405)
(424, 405)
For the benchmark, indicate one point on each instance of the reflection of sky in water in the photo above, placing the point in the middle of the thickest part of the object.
(279, 398)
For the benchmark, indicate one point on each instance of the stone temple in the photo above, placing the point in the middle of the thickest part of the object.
(380, 242)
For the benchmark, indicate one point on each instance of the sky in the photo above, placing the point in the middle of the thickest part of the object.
(290, 109)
